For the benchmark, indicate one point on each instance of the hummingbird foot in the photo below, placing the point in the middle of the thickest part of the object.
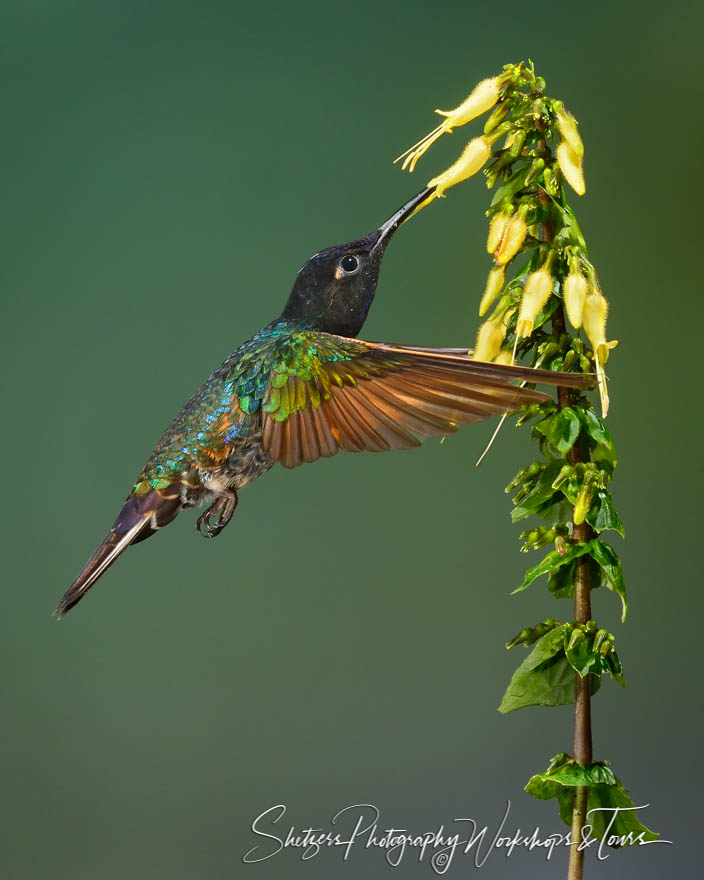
(213, 520)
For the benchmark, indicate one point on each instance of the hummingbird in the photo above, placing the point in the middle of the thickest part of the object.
(305, 387)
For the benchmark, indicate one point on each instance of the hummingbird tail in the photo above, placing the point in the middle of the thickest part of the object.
(139, 518)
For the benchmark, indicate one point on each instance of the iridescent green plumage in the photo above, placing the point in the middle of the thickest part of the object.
(224, 412)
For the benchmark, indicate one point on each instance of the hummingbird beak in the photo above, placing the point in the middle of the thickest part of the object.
(387, 229)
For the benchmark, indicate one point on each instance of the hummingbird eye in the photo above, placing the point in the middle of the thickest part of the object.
(349, 264)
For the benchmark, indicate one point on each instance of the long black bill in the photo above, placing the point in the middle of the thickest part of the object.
(387, 229)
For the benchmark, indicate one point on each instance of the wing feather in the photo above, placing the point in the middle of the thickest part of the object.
(364, 396)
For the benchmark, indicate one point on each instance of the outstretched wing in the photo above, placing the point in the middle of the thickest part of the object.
(329, 393)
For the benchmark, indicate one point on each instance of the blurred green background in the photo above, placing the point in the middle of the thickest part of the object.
(167, 169)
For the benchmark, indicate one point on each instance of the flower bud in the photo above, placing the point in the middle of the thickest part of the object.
(482, 98)
(535, 294)
(489, 339)
(535, 169)
(494, 286)
(574, 291)
(514, 143)
(504, 357)
(496, 118)
(513, 237)
(550, 181)
(497, 227)
(602, 637)
(571, 166)
(567, 126)
(583, 503)
(576, 637)
(472, 159)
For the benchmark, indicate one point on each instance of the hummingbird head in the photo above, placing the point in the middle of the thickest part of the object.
(335, 288)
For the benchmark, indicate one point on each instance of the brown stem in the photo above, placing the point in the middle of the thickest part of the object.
(582, 745)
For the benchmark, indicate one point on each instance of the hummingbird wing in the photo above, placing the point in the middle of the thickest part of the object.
(332, 393)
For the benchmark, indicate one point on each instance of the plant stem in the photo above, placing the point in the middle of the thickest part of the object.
(582, 744)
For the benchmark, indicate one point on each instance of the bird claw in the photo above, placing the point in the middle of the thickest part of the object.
(213, 520)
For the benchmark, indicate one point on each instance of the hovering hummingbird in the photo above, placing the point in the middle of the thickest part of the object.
(303, 388)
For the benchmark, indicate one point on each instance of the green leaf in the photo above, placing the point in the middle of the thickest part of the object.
(585, 660)
(606, 795)
(555, 510)
(612, 570)
(561, 429)
(596, 428)
(615, 669)
(580, 656)
(541, 493)
(561, 581)
(554, 561)
(616, 829)
(508, 190)
(545, 678)
(603, 515)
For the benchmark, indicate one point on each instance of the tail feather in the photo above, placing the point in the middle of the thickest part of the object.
(139, 519)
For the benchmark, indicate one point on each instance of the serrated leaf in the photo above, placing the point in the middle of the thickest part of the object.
(553, 561)
(545, 678)
(581, 656)
(561, 429)
(615, 669)
(555, 510)
(561, 581)
(540, 495)
(595, 427)
(612, 570)
(508, 190)
(606, 794)
(603, 515)
(585, 660)
(617, 828)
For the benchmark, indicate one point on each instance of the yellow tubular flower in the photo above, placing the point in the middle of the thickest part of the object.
(494, 286)
(535, 294)
(567, 126)
(489, 339)
(472, 159)
(504, 357)
(594, 318)
(571, 166)
(513, 237)
(497, 227)
(574, 291)
(483, 97)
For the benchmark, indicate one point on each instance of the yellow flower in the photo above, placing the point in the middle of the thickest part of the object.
(594, 318)
(483, 97)
(567, 126)
(504, 357)
(574, 291)
(489, 339)
(494, 286)
(497, 227)
(472, 159)
(536, 293)
(571, 166)
(513, 237)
